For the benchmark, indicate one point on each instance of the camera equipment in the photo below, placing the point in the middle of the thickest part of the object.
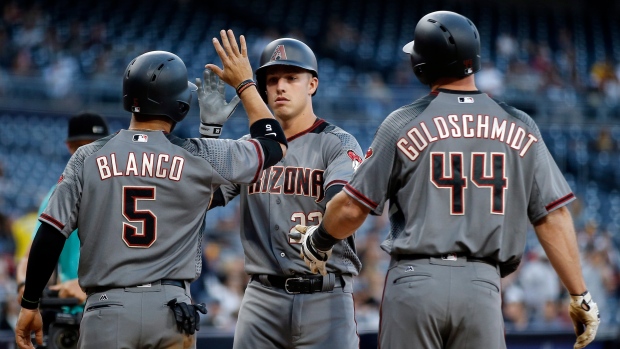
(61, 321)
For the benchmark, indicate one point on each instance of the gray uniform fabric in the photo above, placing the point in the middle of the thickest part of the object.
(290, 193)
(139, 199)
(109, 319)
(461, 173)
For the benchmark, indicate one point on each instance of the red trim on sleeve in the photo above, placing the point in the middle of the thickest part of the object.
(316, 124)
(359, 196)
(259, 150)
(336, 181)
(52, 221)
(559, 201)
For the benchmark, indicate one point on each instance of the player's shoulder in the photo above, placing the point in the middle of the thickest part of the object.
(334, 132)
(399, 118)
(516, 113)
(412, 110)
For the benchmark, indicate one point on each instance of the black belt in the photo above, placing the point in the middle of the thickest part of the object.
(447, 257)
(99, 289)
(297, 284)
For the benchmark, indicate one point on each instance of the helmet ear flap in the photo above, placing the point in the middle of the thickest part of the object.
(419, 70)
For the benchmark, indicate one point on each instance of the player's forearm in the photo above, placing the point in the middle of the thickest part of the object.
(344, 216)
(46, 248)
(254, 105)
(557, 236)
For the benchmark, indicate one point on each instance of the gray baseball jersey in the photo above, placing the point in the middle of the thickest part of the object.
(139, 199)
(289, 193)
(461, 172)
(292, 192)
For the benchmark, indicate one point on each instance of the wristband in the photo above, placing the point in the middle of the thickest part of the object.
(322, 240)
(210, 130)
(29, 304)
(268, 128)
(244, 85)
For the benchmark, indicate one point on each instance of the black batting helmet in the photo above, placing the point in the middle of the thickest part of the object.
(155, 83)
(445, 44)
(285, 51)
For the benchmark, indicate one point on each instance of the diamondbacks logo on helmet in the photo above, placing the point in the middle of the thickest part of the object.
(135, 108)
(468, 63)
(279, 53)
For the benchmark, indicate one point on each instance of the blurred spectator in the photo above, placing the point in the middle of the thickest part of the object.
(21, 229)
(604, 142)
(515, 311)
(490, 79)
(7, 243)
(378, 96)
(541, 282)
(507, 46)
(59, 76)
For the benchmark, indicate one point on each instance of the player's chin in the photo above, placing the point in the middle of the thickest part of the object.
(282, 112)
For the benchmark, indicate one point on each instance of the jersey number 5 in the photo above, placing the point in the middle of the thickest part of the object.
(131, 235)
(456, 181)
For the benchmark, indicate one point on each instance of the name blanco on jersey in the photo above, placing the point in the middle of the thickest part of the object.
(297, 181)
(465, 126)
(149, 165)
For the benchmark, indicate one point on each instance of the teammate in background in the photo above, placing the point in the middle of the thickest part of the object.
(83, 129)
(462, 173)
(284, 306)
(139, 199)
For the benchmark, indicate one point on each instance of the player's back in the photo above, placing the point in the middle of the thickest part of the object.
(143, 201)
(467, 167)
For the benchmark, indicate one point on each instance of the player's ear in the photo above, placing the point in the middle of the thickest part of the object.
(313, 84)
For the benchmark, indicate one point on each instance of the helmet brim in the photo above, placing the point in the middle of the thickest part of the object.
(290, 63)
(408, 48)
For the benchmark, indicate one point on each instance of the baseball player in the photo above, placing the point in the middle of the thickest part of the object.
(83, 129)
(462, 173)
(284, 306)
(139, 199)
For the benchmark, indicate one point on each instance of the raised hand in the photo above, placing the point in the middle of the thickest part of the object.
(235, 62)
(214, 111)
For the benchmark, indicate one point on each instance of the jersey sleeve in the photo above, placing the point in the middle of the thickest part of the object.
(343, 158)
(550, 190)
(229, 192)
(234, 161)
(62, 208)
(369, 184)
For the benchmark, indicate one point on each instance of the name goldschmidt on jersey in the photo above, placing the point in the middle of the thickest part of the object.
(146, 165)
(465, 126)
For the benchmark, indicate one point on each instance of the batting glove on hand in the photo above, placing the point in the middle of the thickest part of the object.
(214, 111)
(584, 313)
(314, 258)
(186, 315)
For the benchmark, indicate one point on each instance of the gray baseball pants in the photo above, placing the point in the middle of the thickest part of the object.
(270, 318)
(433, 303)
(132, 318)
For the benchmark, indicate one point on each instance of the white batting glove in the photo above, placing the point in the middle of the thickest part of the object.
(315, 259)
(214, 111)
(584, 313)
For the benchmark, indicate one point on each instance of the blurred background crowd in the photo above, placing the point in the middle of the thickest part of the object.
(557, 60)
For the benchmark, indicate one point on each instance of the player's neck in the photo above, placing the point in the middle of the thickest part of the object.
(154, 124)
(463, 84)
(297, 124)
